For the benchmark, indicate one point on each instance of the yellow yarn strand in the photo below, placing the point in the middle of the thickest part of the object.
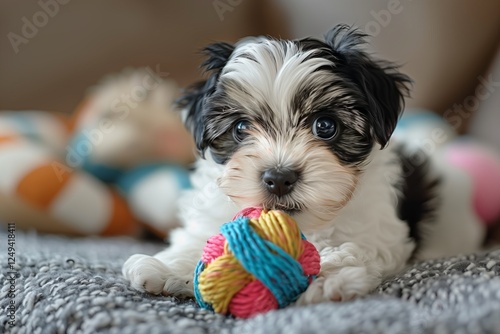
(281, 230)
(231, 278)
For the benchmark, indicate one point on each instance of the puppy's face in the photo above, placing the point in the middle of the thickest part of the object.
(294, 122)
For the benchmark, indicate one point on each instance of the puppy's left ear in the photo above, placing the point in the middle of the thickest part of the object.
(193, 102)
(380, 82)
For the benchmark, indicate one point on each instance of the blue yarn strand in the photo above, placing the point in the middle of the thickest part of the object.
(199, 299)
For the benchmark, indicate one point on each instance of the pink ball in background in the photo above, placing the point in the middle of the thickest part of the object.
(483, 166)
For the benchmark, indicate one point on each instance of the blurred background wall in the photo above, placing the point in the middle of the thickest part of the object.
(51, 51)
(84, 40)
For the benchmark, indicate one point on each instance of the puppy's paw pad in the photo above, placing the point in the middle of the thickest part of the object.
(348, 283)
(146, 273)
(314, 293)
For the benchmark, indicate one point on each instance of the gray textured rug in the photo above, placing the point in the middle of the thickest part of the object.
(75, 286)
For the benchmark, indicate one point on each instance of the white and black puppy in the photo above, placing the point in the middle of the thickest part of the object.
(303, 126)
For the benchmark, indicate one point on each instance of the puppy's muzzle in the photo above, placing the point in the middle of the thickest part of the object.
(279, 181)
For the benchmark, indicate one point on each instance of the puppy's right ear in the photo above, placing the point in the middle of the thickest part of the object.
(193, 101)
(381, 83)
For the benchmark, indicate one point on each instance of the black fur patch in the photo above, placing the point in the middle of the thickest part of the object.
(418, 200)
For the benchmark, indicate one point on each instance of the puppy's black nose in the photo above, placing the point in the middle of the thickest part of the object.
(279, 182)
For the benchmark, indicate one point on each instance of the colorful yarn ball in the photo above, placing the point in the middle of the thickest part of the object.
(259, 262)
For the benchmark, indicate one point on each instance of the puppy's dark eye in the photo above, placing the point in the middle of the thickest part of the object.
(324, 127)
(240, 130)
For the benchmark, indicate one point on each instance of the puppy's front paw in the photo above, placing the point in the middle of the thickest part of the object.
(146, 273)
(150, 274)
(346, 284)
